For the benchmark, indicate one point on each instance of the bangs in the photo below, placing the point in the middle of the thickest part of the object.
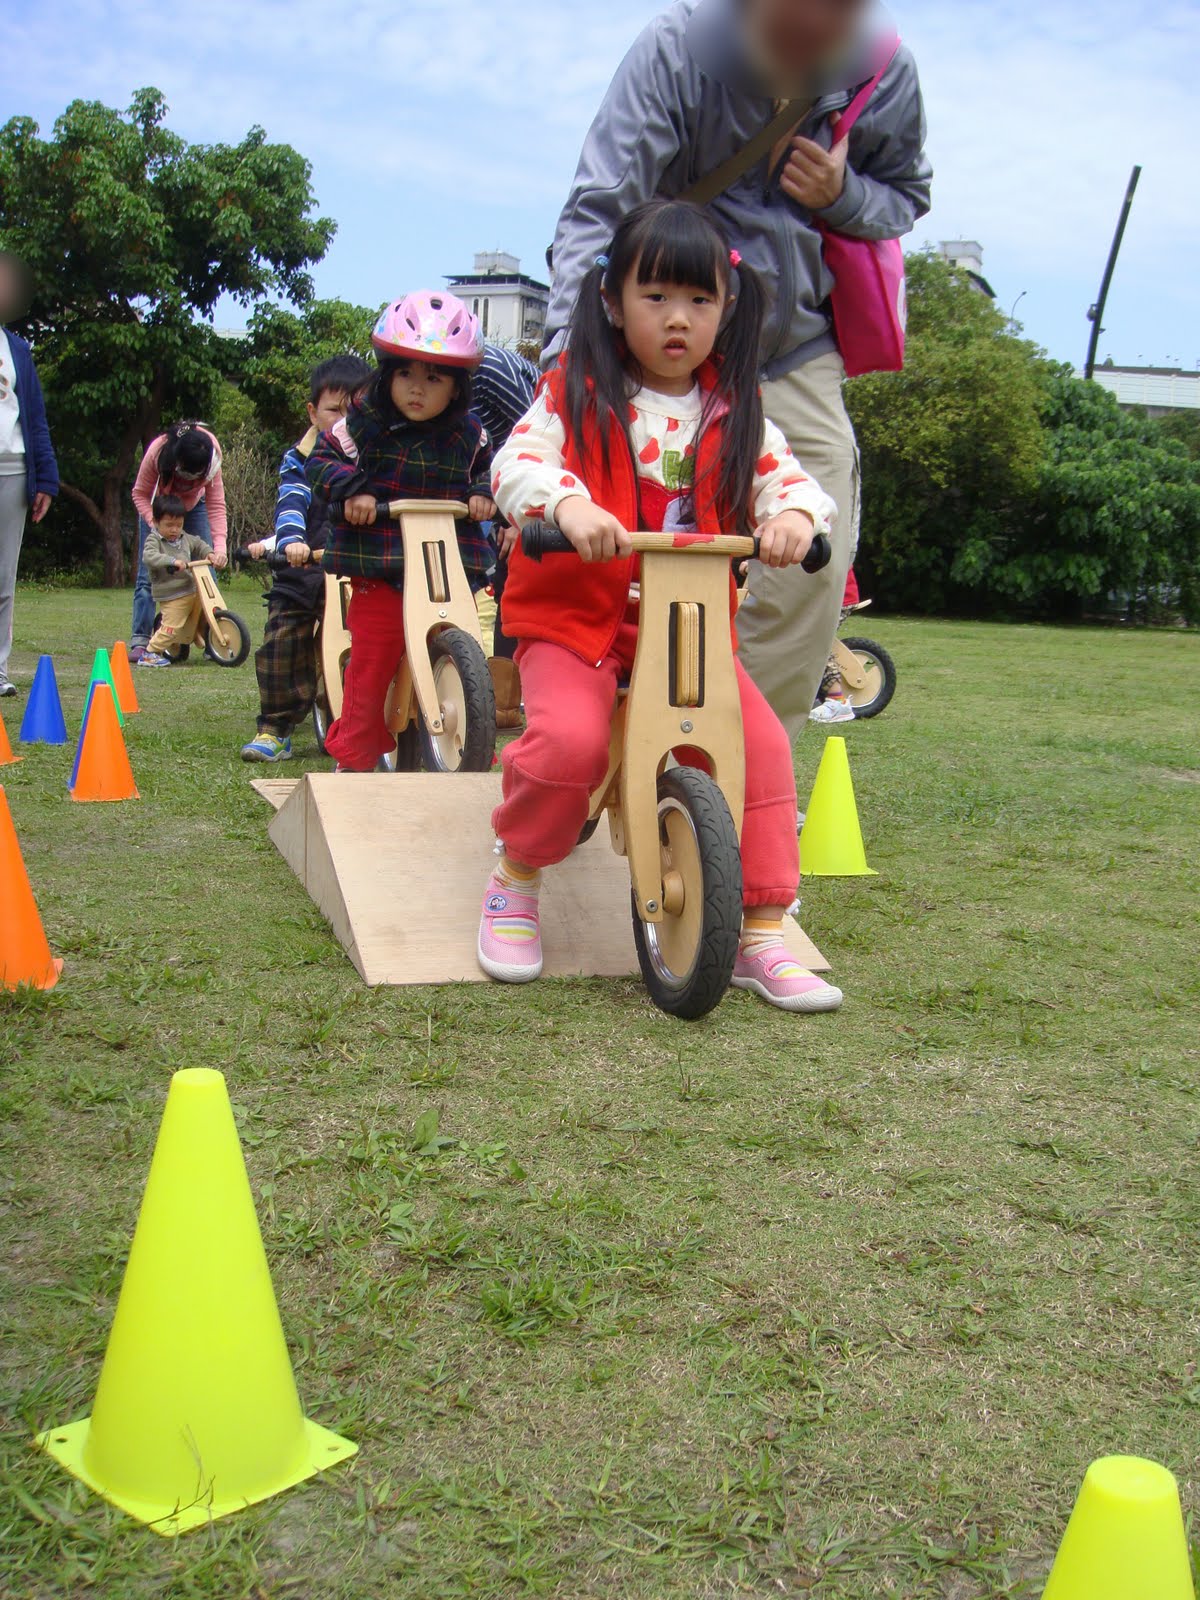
(679, 245)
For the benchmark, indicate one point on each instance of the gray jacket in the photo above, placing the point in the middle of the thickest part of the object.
(159, 556)
(683, 101)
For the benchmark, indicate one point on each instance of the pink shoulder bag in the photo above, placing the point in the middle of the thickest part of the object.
(870, 309)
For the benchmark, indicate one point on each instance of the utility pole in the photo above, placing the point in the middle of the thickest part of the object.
(1096, 313)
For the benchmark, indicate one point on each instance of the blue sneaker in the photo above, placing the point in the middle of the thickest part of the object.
(151, 658)
(266, 747)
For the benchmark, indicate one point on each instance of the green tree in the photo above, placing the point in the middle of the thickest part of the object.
(133, 235)
(1116, 516)
(996, 481)
(952, 446)
(273, 363)
(1183, 427)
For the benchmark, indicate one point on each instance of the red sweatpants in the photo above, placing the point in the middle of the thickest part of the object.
(375, 618)
(552, 769)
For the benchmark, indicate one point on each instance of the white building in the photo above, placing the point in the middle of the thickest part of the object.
(1159, 389)
(966, 255)
(511, 307)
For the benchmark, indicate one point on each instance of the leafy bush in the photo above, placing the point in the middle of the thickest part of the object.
(997, 482)
(251, 477)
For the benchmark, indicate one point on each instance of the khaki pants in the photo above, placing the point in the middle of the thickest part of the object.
(788, 622)
(178, 625)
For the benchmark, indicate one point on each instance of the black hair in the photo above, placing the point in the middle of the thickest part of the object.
(186, 448)
(167, 505)
(672, 241)
(340, 374)
(381, 388)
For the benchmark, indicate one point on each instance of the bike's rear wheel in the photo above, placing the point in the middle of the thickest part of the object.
(880, 670)
(320, 721)
(687, 959)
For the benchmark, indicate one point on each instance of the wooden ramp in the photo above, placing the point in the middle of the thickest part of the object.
(397, 863)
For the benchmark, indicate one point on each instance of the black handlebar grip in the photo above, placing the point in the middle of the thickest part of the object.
(819, 554)
(540, 539)
(383, 509)
(818, 557)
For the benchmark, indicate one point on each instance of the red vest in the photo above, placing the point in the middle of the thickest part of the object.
(580, 604)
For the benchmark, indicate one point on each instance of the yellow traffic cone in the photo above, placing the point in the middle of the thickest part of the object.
(1125, 1539)
(196, 1412)
(831, 843)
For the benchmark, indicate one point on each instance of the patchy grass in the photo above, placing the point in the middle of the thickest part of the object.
(838, 1307)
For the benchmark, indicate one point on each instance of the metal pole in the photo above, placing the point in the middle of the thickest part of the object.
(1096, 313)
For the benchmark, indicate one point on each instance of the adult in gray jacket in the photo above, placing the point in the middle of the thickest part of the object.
(698, 85)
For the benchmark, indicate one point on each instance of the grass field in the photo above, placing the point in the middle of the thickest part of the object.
(838, 1307)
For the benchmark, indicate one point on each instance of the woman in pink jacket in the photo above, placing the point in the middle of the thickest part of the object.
(185, 461)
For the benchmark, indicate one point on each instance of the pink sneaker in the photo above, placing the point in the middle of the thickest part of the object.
(779, 979)
(510, 935)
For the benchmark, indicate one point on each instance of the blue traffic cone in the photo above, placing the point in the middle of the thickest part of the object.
(43, 722)
(87, 711)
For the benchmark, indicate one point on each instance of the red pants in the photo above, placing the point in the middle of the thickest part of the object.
(552, 769)
(375, 619)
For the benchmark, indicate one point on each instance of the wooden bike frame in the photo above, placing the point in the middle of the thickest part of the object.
(850, 667)
(437, 596)
(683, 694)
(334, 647)
(211, 601)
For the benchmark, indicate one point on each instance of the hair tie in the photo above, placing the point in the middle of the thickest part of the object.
(602, 263)
(735, 259)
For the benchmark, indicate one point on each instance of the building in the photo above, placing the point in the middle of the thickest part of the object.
(967, 256)
(1158, 389)
(511, 306)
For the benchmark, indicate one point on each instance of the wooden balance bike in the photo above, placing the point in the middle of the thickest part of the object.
(225, 637)
(331, 636)
(679, 826)
(867, 671)
(441, 707)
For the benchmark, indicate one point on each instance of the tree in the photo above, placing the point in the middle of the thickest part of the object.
(996, 481)
(132, 236)
(273, 363)
(951, 446)
(1116, 516)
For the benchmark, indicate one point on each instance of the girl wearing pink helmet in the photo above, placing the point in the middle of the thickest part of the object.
(412, 436)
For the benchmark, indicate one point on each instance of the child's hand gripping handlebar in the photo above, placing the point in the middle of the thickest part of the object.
(392, 510)
(540, 539)
(276, 560)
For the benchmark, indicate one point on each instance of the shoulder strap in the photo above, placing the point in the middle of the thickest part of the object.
(727, 174)
(843, 124)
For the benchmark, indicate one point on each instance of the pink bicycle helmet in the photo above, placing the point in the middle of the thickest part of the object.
(432, 326)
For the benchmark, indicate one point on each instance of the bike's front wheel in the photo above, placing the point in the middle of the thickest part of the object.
(228, 644)
(687, 959)
(467, 704)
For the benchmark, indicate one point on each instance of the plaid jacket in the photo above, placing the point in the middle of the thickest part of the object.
(385, 455)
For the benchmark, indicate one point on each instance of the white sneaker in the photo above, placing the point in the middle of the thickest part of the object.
(831, 711)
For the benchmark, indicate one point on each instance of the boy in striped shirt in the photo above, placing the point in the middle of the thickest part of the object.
(286, 662)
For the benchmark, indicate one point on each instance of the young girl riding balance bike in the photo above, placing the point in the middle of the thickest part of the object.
(410, 437)
(652, 422)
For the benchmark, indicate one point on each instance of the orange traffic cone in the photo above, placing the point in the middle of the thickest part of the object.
(103, 771)
(24, 954)
(7, 759)
(118, 660)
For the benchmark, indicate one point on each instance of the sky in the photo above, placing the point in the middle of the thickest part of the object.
(437, 128)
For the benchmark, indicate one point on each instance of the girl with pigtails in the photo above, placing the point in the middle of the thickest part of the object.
(651, 422)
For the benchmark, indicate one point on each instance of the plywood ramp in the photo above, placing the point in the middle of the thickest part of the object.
(397, 864)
